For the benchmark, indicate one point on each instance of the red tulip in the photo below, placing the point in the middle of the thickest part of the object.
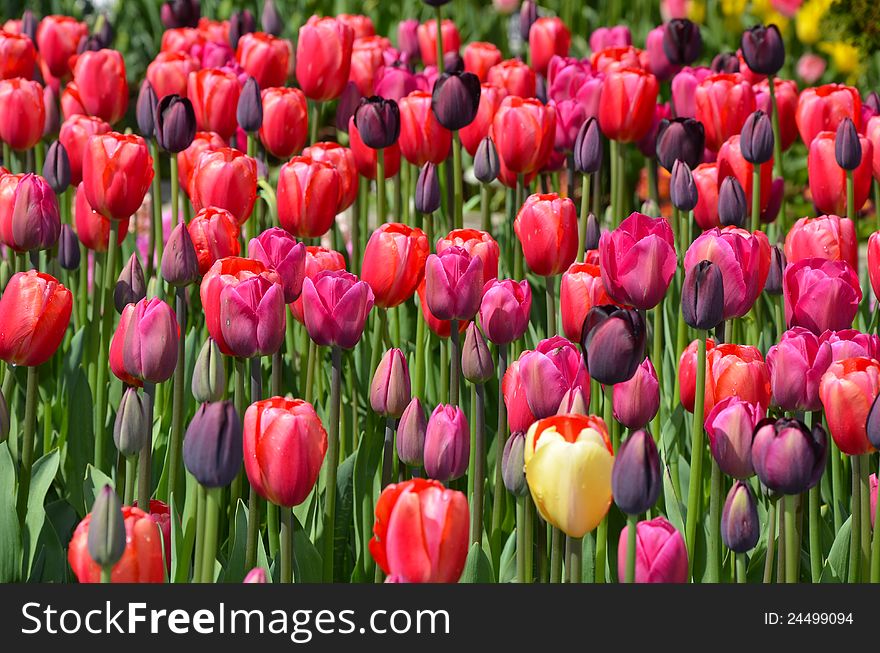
(828, 236)
(8, 185)
(723, 102)
(366, 157)
(638, 261)
(74, 135)
(183, 39)
(513, 76)
(823, 108)
(342, 159)
(524, 133)
(361, 25)
(548, 37)
(848, 390)
(92, 228)
(786, 104)
(428, 40)
(504, 310)
(732, 164)
(279, 431)
(828, 180)
(821, 295)
(479, 57)
(142, 560)
(323, 58)
(873, 260)
(214, 96)
(335, 308)
(706, 211)
(476, 243)
(57, 40)
(17, 56)
(367, 57)
(34, 313)
(214, 234)
(626, 107)
(616, 58)
(227, 179)
(394, 263)
(580, 290)
(22, 113)
(71, 104)
(187, 159)
(318, 259)
(216, 31)
(144, 345)
(169, 71)
(101, 83)
(661, 554)
(519, 415)
(422, 137)
(490, 100)
(285, 121)
(308, 195)
(265, 58)
(546, 226)
(421, 532)
(117, 171)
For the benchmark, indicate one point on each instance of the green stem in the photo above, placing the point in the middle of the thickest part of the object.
(836, 484)
(332, 463)
(856, 521)
(792, 540)
(419, 375)
(26, 454)
(479, 455)
(653, 189)
(657, 362)
(615, 180)
(528, 538)
(286, 544)
(145, 458)
(850, 196)
(585, 214)
(310, 371)
(212, 515)
(356, 235)
(253, 529)
(756, 197)
(175, 187)
(771, 542)
(130, 479)
(200, 534)
(714, 562)
(104, 343)
(740, 567)
(314, 121)
(106, 574)
(485, 209)
(174, 471)
(575, 547)
(601, 548)
(551, 306)
(696, 478)
(156, 236)
(454, 363)
(388, 452)
(457, 181)
(632, 522)
(381, 199)
(865, 509)
(520, 538)
(815, 537)
(439, 17)
(778, 170)
(502, 433)
(556, 555)
(875, 546)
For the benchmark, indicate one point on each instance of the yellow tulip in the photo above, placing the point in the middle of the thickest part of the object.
(845, 56)
(568, 461)
(808, 19)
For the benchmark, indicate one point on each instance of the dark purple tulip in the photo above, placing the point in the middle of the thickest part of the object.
(453, 63)
(68, 248)
(613, 343)
(436, 3)
(147, 104)
(90, 43)
(756, 138)
(487, 165)
(528, 14)
(732, 206)
(680, 139)
(513, 471)
(594, 231)
(130, 428)
(788, 457)
(105, 31)
(175, 123)
(541, 88)
(740, 527)
(249, 111)
(181, 13)
(411, 434)
(378, 122)
(29, 25)
(682, 42)
(212, 447)
(847, 146)
(773, 285)
(270, 19)
(130, 286)
(180, 264)
(588, 148)
(348, 103)
(240, 23)
(635, 477)
(763, 49)
(36, 222)
(427, 198)
(56, 167)
(52, 124)
(682, 187)
(872, 425)
(477, 365)
(872, 101)
(725, 62)
(702, 296)
(106, 538)
(455, 99)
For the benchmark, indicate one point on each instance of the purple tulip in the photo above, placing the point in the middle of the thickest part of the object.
(390, 387)
(661, 67)
(788, 457)
(477, 365)
(149, 349)
(180, 263)
(411, 434)
(740, 528)
(279, 251)
(730, 427)
(636, 401)
(796, 364)
(549, 371)
(453, 284)
(252, 317)
(131, 286)
(335, 308)
(447, 443)
(35, 223)
(504, 310)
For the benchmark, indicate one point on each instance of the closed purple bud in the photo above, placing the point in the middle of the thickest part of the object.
(680, 139)
(477, 365)
(447, 443)
(528, 14)
(725, 62)
(106, 538)
(732, 205)
(180, 263)
(847, 146)
(249, 112)
(105, 31)
(68, 248)
(635, 477)
(487, 165)
(731, 428)
(682, 187)
(130, 286)
(455, 99)
(513, 469)
(378, 122)
(29, 25)
(36, 223)
(257, 575)
(453, 63)
(613, 343)
(390, 388)
(702, 296)
(209, 374)
(240, 23)
(872, 425)
(145, 112)
(682, 42)
(270, 19)
(411, 434)
(427, 198)
(740, 527)
(789, 457)
(347, 105)
(763, 49)
(541, 88)
(756, 138)
(131, 428)
(594, 231)
(56, 167)
(872, 101)
(773, 285)
(91, 43)
(588, 148)
(175, 123)
(635, 402)
(212, 447)
(52, 123)
(181, 13)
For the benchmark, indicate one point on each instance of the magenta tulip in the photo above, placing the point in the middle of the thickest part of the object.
(252, 318)
(335, 308)
(447, 443)
(390, 388)
(636, 401)
(504, 310)
(661, 554)
(279, 251)
(553, 368)
(820, 295)
(730, 426)
(453, 284)
(797, 363)
(144, 345)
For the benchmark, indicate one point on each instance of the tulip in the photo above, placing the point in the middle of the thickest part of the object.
(411, 432)
(214, 94)
(848, 390)
(264, 57)
(546, 227)
(548, 36)
(180, 13)
(456, 99)
(175, 126)
(607, 37)
(588, 148)
(763, 49)
(682, 42)
(317, 260)
(796, 364)
(209, 374)
(453, 284)
(635, 402)
(635, 478)
(427, 38)
(873, 492)
(68, 249)
(323, 58)
(226, 179)
(647, 145)
(308, 196)
(56, 168)
(512, 468)
(144, 345)
(744, 260)
(117, 172)
(100, 79)
(394, 263)
(702, 296)
(105, 542)
(524, 132)
(361, 25)
(180, 263)
(476, 243)
(421, 532)
(515, 77)
(447, 443)
(613, 342)
(22, 113)
(490, 98)
(874, 262)
(732, 162)
(279, 251)
(568, 464)
(252, 317)
(30, 221)
(616, 58)
(723, 102)
(57, 40)
(130, 286)
(680, 138)
(786, 105)
(823, 108)
(427, 199)
(336, 305)
(34, 313)
(366, 157)
(249, 110)
(130, 427)
(212, 447)
(787, 456)
(422, 138)
(756, 139)
(141, 561)
(188, 39)
(92, 228)
(241, 23)
(733, 207)
(821, 294)
(167, 74)
(850, 343)
(479, 57)
(661, 553)
(683, 187)
(580, 290)
(71, 104)
(257, 575)
(827, 236)
(214, 235)
(186, 160)
(343, 160)
(684, 90)
(378, 122)
(74, 134)
(740, 527)
(773, 285)
(284, 129)
(731, 371)
(276, 432)
(828, 179)
(639, 243)
(626, 107)
(390, 387)
(519, 415)
(504, 310)
(395, 82)
(730, 426)
(367, 57)
(550, 371)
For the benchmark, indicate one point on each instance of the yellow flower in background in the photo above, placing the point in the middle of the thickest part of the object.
(733, 7)
(808, 19)
(767, 13)
(697, 11)
(845, 56)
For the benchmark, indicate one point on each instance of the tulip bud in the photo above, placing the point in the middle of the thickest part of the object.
(730, 426)
(175, 123)
(453, 63)
(635, 402)
(390, 387)
(486, 161)
(872, 425)
(732, 205)
(756, 138)
(725, 62)
(635, 477)
(56, 167)
(682, 42)
(680, 139)
(594, 231)
(52, 124)
(145, 112)
(270, 19)
(513, 470)
(29, 25)
(90, 43)
(740, 527)
(528, 14)
(180, 264)
(872, 101)
(427, 198)
(4, 418)
(106, 538)
(35, 222)
(378, 122)
(847, 146)
(249, 112)
(455, 99)
(130, 286)
(68, 248)
(257, 575)
(180, 13)
(613, 343)
(682, 188)
(240, 23)
(702, 296)
(773, 285)
(132, 427)
(477, 365)
(212, 447)
(541, 88)
(788, 457)
(347, 106)
(447, 443)
(209, 374)
(411, 434)
(104, 31)
(588, 148)
(763, 49)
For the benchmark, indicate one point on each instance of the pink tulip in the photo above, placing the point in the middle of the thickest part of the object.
(658, 62)
(820, 295)
(684, 90)
(279, 251)
(390, 387)
(548, 372)
(144, 345)
(636, 401)
(828, 236)
(849, 343)
(873, 481)
(610, 37)
(335, 308)
(504, 310)
(811, 67)
(797, 363)
(447, 443)
(256, 575)
(33, 222)
(661, 554)
(730, 426)
(252, 317)
(453, 284)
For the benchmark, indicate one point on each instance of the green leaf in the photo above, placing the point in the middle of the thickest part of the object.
(77, 436)
(10, 538)
(507, 566)
(234, 571)
(477, 568)
(307, 563)
(837, 565)
(42, 475)
(343, 550)
(95, 480)
(367, 459)
(674, 508)
(183, 538)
